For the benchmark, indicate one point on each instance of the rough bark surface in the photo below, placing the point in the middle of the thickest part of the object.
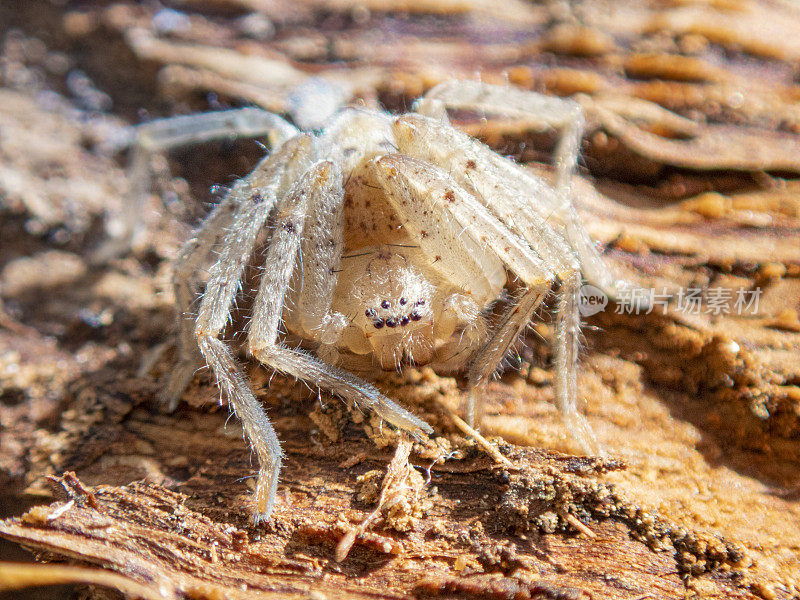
(699, 410)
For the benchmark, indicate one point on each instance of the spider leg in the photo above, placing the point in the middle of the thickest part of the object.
(281, 257)
(424, 195)
(255, 196)
(321, 250)
(476, 168)
(192, 257)
(539, 113)
(288, 228)
(321, 179)
(565, 371)
(185, 281)
(162, 135)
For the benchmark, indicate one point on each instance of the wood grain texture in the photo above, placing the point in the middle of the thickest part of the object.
(699, 411)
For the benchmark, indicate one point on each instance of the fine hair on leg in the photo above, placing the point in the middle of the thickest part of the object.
(258, 195)
(161, 135)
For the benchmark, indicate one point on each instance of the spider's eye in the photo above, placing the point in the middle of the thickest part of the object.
(370, 312)
(420, 302)
(415, 316)
(391, 323)
(404, 321)
(377, 324)
(403, 301)
(385, 304)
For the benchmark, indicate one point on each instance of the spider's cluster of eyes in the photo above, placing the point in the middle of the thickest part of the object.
(378, 323)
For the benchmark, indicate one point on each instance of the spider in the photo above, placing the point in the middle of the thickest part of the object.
(391, 240)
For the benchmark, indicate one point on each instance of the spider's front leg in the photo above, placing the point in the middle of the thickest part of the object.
(512, 197)
(321, 180)
(160, 136)
(229, 216)
(314, 283)
(185, 282)
(255, 198)
(427, 198)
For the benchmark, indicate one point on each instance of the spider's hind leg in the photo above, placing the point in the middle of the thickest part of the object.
(185, 281)
(162, 135)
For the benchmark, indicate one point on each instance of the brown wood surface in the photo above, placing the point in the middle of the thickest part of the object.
(699, 412)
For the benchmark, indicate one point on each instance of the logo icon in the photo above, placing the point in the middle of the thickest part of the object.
(592, 301)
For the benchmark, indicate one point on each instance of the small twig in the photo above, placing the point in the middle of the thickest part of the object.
(581, 527)
(476, 435)
(15, 576)
(396, 474)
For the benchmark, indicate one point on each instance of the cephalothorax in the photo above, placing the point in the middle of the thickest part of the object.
(390, 241)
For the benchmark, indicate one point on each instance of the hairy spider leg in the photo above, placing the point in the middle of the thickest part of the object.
(351, 135)
(192, 257)
(291, 212)
(416, 188)
(162, 135)
(258, 195)
(540, 113)
(474, 166)
(186, 285)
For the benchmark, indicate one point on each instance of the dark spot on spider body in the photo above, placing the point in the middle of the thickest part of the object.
(404, 321)
(471, 164)
(391, 323)
(415, 316)
(377, 324)
(385, 304)
(450, 196)
(403, 301)
(370, 312)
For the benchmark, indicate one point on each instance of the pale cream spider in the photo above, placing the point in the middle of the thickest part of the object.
(390, 241)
